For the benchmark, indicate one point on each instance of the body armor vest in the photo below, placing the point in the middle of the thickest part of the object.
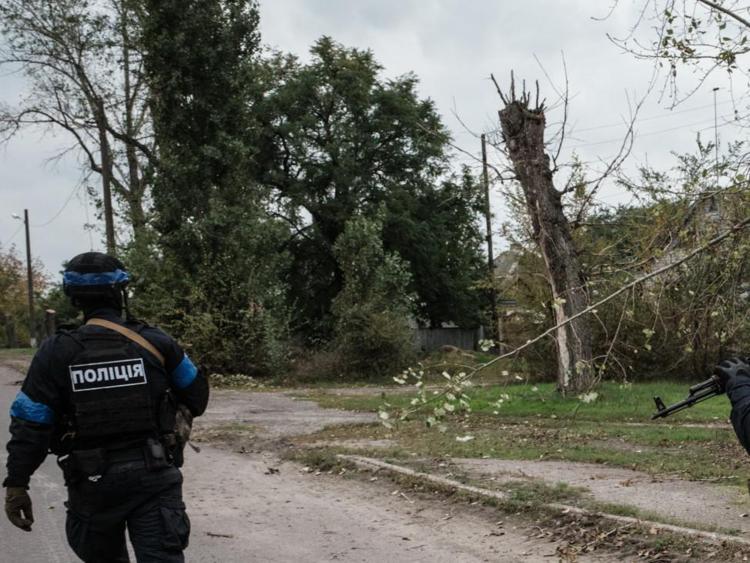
(115, 391)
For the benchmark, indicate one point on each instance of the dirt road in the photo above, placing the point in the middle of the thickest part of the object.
(249, 507)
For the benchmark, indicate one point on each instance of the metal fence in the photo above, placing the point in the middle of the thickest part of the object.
(430, 339)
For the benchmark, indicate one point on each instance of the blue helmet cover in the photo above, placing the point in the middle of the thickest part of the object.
(76, 279)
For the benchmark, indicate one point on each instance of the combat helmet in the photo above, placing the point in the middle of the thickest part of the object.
(95, 277)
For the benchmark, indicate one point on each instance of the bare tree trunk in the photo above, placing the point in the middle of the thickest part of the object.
(106, 160)
(523, 133)
(136, 185)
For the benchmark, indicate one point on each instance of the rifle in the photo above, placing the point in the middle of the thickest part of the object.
(696, 394)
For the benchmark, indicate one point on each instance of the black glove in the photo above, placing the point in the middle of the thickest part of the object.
(731, 369)
(18, 507)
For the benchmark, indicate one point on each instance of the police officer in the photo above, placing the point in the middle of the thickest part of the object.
(106, 398)
(734, 376)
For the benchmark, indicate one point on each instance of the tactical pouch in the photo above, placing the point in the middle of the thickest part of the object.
(82, 464)
(167, 413)
(175, 424)
(61, 440)
(182, 429)
(155, 455)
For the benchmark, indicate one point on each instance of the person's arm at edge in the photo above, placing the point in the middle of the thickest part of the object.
(189, 383)
(738, 391)
(32, 418)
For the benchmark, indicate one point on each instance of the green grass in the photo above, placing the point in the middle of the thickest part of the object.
(616, 402)
(539, 492)
(22, 353)
(690, 453)
(537, 423)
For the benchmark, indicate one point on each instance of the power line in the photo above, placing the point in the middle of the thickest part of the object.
(651, 118)
(651, 133)
(56, 215)
(639, 120)
(15, 233)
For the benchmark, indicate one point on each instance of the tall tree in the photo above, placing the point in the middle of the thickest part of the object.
(199, 59)
(219, 254)
(340, 139)
(85, 80)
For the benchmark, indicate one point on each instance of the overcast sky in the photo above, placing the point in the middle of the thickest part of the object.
(452, 46)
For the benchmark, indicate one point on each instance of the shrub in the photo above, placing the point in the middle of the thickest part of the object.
(372, 312)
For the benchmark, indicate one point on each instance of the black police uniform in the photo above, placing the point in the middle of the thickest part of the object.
(738, 391)
(109, 400)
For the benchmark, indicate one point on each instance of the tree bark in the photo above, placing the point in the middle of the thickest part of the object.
(523, 133)
(136, 185)
(106, 160)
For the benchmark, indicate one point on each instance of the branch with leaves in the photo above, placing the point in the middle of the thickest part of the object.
(453, 395)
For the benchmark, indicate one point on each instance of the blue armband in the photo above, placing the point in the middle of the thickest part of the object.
(26, 409)
(185, 373)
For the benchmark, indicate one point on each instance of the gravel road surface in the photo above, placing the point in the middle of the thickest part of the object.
(251, 507)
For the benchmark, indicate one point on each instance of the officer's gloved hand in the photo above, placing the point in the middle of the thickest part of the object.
(18, 507)
(728, 371)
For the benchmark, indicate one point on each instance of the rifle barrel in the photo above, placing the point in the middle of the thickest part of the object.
(698, 394)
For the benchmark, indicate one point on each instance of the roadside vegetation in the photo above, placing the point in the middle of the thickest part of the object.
(534, 422)
(13, 353)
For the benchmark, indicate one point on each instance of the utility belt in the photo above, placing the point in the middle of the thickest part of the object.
(91, 464)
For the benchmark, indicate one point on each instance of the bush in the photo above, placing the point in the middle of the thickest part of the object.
(372, 312)
(250, 343)
(230, 310)
(372, 342)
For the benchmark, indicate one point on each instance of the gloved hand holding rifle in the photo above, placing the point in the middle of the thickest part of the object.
(724, 377)
(731, 376)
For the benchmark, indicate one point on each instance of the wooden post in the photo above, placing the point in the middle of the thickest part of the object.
(495, 332)
(29, 281)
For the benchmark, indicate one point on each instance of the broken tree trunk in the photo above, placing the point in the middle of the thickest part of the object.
(523, 135)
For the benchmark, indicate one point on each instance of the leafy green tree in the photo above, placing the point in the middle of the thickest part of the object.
(219, 256)
(199, 59)
(435, 231)
(14, 311)
(339, 139)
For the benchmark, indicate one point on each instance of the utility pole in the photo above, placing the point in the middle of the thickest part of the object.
(29, 278)
(30, 281)
(496, 333)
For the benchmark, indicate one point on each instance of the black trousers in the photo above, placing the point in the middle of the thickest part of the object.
(148, 504)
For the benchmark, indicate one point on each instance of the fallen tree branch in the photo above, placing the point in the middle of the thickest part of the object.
(439, 397)
(718, 239)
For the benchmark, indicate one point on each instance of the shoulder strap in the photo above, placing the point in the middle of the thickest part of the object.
(130, 335)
